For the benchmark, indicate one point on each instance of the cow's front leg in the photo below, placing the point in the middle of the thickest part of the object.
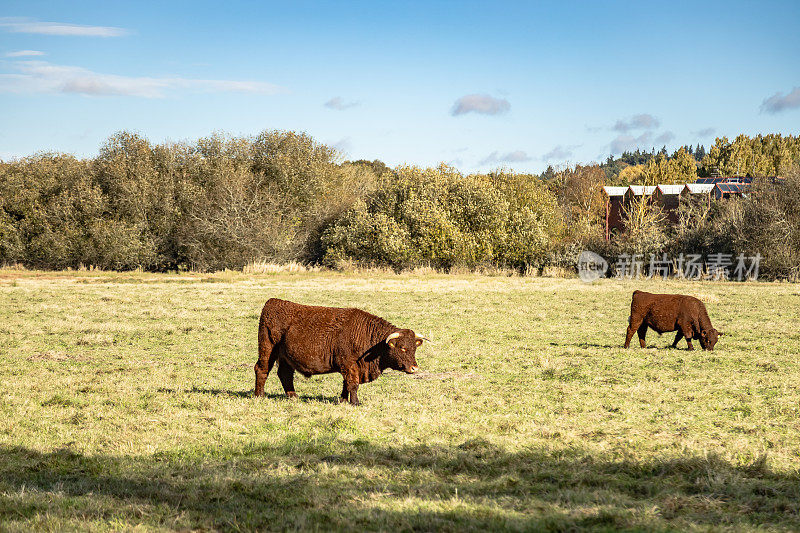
(286, 375)
(351, 384)
(345, 393)
(688, 332)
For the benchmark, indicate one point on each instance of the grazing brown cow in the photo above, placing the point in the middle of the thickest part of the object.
(670, 312)
(322, 340)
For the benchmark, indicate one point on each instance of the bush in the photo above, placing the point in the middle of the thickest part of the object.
(646, 230)
(767, 222)
(441, 218)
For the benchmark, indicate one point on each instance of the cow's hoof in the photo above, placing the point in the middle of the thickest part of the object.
(291, 395)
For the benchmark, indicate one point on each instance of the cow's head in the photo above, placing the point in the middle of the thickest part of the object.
(402, 346)
(708, 338)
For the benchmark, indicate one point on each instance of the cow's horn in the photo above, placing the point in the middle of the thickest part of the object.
(420, 337)
(392, 336)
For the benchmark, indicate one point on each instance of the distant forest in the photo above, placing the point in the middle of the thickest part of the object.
(223, 202)
(759, 156)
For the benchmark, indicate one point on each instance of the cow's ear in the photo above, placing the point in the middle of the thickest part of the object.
(391, 338)
(419, 341)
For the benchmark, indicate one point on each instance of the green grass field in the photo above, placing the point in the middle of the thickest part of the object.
(127, 405)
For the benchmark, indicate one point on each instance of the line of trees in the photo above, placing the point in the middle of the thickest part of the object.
(762, 155)
(222, 202)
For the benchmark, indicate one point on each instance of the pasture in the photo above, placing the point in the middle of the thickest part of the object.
(127, 404)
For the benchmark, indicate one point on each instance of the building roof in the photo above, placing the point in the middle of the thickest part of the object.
(725, 179)
(638, 190)
(698, 188)
(615, 191)
(732, 187)
(671, 189)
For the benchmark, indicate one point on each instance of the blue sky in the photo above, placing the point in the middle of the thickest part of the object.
(477, 84)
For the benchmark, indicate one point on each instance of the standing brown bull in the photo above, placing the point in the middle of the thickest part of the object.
(321, 340)
(670, 312)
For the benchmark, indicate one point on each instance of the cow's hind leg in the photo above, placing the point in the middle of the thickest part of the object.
(345, 393)
(642, 331)
(286, 375)
(678, 337)
(267, 354)
(633, 325)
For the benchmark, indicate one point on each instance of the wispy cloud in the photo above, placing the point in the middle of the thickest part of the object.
(26, 25)
(637, 122)
(781, 102)
(23, 53)
(559, 153)
(480, 103)
(626, 143)
(344, 145)
(704, 132)
(517, 156)
(338, 103)
(44, 77)
(665, 137)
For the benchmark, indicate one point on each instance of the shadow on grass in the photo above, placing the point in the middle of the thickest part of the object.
(249, 394)
(586, 344)
(324, 484)
(634, 345)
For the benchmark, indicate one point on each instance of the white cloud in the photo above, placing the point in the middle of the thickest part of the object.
(25, 25)
(637, 122)
(338, 103)
(704, 132)
(345, 146)
(43, 77)
(627, 143)
(517, 156)
(480, 103)
(665, 137)
(559, 153)
(23, 53)
(781, 102)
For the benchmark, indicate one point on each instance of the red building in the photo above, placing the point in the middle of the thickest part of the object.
(668, 197)
(702, 190)
(614, 215)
